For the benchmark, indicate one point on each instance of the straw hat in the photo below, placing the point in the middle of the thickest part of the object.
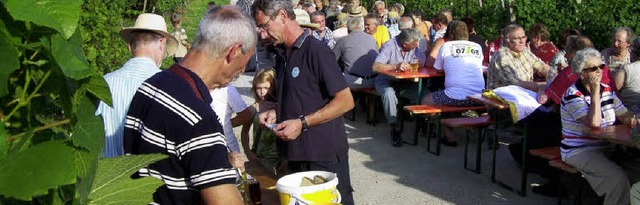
(154, 23)
(356, 11)
(302, 17)
(341, 20)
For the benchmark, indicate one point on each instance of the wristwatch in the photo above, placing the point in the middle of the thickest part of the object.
(305, 126)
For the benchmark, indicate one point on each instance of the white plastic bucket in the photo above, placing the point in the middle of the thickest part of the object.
(291, 193)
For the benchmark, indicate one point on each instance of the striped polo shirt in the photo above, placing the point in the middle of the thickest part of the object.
(167, 116)
(123, 84)
(575, 105)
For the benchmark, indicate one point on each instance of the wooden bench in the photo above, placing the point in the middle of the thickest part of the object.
(470, 123)
(421, 111)
(550, 153)
(369, 95)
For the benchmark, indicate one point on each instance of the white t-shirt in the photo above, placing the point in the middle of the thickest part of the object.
(462, 64)
(227, 101)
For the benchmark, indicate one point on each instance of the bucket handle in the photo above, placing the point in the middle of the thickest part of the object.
(299, 198)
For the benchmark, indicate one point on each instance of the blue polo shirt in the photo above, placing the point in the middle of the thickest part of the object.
(307, 79)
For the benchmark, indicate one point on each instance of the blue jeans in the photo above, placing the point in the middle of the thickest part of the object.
(386, 87)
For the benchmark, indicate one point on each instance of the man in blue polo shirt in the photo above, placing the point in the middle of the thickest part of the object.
(312, 96)
(170, 114)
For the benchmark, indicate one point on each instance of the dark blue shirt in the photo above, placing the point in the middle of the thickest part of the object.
(167, 116)
(308, 81)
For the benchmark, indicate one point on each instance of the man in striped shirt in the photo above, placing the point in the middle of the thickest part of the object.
(149, 43)
(589, 104)
(171, 114)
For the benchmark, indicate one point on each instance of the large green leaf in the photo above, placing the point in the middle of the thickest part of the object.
(89, 130)
(86, 166)
(8, 60)
(32, 172)
(61, 15)
(113, 184)
(70, 57)
(99, 87)
(4, 145)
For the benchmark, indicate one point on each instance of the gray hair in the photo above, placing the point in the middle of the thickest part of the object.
(581, 57)
(509, 29)
(372, 17)
(317, 13)
(630, 35)
(271, 8)
(408, 35)
(380, 3)
(222, 27)
(406, 24)
(355, 24)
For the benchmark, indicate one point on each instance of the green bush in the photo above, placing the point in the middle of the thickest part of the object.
(101, 20)
(596, 19)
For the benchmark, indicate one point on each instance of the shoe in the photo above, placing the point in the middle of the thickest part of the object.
(448, 143)
(550, 189)
(396, 138)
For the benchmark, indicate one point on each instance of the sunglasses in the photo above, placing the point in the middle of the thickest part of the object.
(594, 68)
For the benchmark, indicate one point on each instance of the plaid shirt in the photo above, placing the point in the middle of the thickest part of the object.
(328, 37)
(509, 68)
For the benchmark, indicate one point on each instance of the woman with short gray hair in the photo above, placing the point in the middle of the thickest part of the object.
(589, 104)
(619, 53)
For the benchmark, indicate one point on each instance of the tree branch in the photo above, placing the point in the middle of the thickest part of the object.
(38, 129)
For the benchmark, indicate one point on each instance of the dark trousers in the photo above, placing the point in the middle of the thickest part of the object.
(340, 167)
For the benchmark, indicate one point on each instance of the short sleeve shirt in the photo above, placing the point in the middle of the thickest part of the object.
(509, 68)
(166, 116)
(462, 65)
(227, 101)
(575, 105)
(391, 53)
(307, 82)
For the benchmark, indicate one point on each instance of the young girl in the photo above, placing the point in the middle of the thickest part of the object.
(264, 140)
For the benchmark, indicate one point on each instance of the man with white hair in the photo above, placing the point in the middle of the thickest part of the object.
(396, 54)
(149, 43)
(357, 51)
(407, 22)
(170, 114)
(323, 33)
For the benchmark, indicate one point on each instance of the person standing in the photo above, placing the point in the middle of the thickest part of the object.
(171, 114)
(312, 96)
(181, 35)
(149, 42)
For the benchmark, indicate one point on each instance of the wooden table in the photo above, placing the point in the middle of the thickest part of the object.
(498, 105)
(267, 181)
(617, 134)
(423, 72)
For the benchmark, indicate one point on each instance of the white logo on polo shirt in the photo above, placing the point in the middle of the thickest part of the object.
(295, 72)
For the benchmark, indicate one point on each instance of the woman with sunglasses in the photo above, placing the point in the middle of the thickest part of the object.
(586, 105)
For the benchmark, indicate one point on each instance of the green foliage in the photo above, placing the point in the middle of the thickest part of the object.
(101, 22)
(112, 183)
(50, 139)
(596, 19)
(35, 170)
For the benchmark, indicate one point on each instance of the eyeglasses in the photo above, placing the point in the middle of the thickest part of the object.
(518, 38)
(594, 68)
(264, 27)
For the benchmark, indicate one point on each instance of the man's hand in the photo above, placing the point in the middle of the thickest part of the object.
(236, 160)
(403, 66)
(289, 130)
(268, 116)
(542, 97)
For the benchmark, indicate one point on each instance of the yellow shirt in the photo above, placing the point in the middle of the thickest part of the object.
(381, 36)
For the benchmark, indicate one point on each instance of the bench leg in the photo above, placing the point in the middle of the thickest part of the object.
(416, 132)
(479, 150)
(466, 150)
(436, 119)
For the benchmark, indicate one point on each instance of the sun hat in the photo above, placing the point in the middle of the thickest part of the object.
(356, 11)
(302, 17)
(341, 20)
(154, 23)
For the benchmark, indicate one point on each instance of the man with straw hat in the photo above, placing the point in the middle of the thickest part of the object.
(149, 42)
(312, 96)
(171, 114)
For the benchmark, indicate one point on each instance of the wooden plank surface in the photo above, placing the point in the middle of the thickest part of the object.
(618, 134)
(487, 101)
(267, 180)
(430, 109)
(421, 73)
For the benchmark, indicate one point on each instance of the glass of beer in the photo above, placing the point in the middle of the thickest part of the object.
(414, 65)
